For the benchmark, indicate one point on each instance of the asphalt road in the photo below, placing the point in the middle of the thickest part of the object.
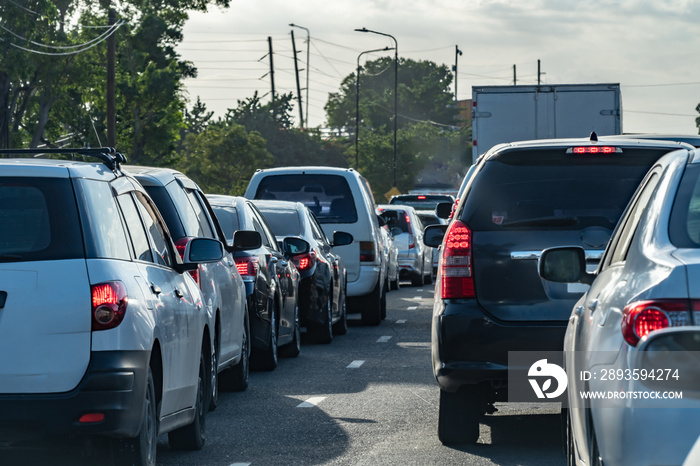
(367, 398)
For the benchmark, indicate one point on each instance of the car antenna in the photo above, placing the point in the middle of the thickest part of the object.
(594, 136)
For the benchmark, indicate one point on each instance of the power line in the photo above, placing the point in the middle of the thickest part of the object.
(101, 38)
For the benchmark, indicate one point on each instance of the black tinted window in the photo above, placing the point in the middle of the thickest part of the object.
(283, 222)
(421, 201)
(228, 219)
(552, 189)
(38, 220)
(685, 218)
(327, 196)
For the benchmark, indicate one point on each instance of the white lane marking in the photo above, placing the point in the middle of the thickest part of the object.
(384, 339)
(412, 308)
(417, 297)
(311, 402)
(420, 290)
(403, 321)
(355, 364)
(239, 464)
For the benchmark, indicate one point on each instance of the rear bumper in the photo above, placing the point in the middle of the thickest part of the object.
(364, 285)
(469, 347)
(114, 385)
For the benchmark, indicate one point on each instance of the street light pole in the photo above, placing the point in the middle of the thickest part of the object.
(308, 44)
(457, 54)
(357, 106)
(396, 86)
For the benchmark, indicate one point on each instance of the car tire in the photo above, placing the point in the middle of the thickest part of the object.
(237, 377)
(341, 327)
(459, 413)
(323, 332)
(293, 349)
(268, 358)
(395, 285)
(214, 379)
(141, 450)
(371, 310)
(418, 278)
(382, 304)
(193, 435)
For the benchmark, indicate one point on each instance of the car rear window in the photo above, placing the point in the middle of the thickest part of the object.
(684, 229)
(228, 219)
(282, 222)
(327, 196)
(421, 201)
(535, 189)
(38, 220)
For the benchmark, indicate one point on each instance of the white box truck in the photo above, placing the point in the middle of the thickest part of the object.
(517, 113)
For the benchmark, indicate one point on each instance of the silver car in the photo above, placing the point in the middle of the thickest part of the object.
(632, 343)
(415, 258)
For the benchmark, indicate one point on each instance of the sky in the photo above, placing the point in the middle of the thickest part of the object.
(650, 47)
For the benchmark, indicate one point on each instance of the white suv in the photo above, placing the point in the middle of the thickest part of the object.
(341, 200)
(102, 331)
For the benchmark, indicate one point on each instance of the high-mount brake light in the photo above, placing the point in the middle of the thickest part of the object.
(641, 318)
(595, 150)
(456, 265)
(109, 301)
(421, 197)
(180, 246)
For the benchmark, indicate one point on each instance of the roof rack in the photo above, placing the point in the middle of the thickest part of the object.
(109, 155)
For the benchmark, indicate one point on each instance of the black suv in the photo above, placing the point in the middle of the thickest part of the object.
(521, 198)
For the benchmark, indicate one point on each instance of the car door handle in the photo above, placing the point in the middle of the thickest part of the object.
(155, 289)
(178, 293)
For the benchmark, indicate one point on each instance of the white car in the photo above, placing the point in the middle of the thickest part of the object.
(633, 339)
(415, 258)
(102, 330)
(341, 200)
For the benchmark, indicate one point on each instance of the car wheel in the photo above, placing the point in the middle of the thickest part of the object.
(383, 305)
(418, 277)
(214, 380)
(459, 413)
(323, 332)
(395, 285)
(236, 378)
(341, 327)
(293, 349)
(371, 310)
(192, 436)
(141, 450)
(267, 359)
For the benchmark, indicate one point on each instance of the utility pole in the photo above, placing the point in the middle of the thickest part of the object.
(111, 60)
(308, 67)
(296, 72)
(454, 68)
(538, 72)
(272, 67)
(515, 80)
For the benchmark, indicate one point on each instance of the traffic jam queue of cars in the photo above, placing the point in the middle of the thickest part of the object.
(584, 251)
(167, 295)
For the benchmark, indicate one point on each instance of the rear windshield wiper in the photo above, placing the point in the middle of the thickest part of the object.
(542, 221)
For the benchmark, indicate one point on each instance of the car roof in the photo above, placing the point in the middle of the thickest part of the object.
(692, 139)
(305, 170)
(280, 205)
(154, 176)
(55, 168)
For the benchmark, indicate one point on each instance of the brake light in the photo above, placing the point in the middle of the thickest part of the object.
(305, 261)
(456, 270)
(109, 303)
(180, 246)
(91, 418)
(411, 241)
(641, 318)
(421, 197)
(367, 252)
(247, 266)
(596, 150)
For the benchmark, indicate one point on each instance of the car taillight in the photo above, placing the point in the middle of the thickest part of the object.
(247, 266)
(109, 303)
(641, 318)
(411, 241)
(454, 209)
(456, 270)
(180, 246)
(367, 252)
(305, 261)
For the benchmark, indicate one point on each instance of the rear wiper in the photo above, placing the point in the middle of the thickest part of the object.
(542, 221)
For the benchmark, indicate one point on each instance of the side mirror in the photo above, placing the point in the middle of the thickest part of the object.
(244, 240)
(444, 209)
(341, 238)
(294, 246)
(200, 251)
(564, 265)
(433, 235)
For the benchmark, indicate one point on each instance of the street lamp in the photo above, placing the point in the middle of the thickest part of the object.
(357, 105)
(308, 44)
(396, 85)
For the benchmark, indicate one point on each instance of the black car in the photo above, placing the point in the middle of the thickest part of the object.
(490, 301)
(322, 288)
(272, 281)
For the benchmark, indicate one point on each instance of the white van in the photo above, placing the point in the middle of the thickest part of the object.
(342, 200)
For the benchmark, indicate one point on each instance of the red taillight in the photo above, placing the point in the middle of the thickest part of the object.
(109, 302)
(595, 150)
(247, 266)
(180, 246)
(305, 261)
(411, 241)
(367, 252)
(91, 418)
(456, 270)
(643, 317)
(454, 209)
